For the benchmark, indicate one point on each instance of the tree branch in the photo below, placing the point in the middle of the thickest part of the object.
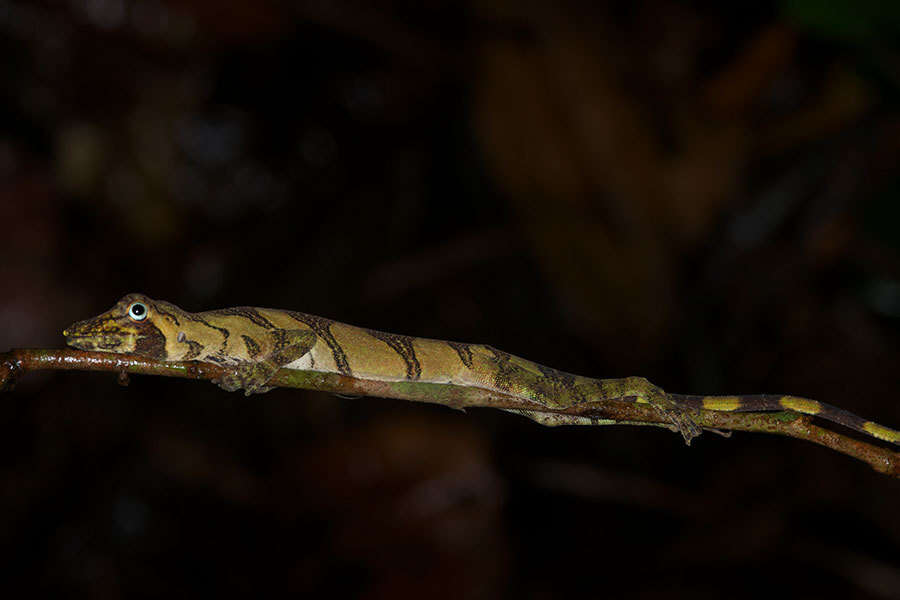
(15, 363)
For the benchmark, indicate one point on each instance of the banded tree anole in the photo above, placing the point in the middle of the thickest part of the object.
(253, 343)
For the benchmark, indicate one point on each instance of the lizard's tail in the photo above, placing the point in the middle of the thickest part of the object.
(767, 402)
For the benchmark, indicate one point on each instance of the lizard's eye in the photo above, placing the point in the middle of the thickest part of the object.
(137, 311)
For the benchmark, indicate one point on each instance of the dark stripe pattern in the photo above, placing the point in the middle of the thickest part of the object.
(464, 351)
(249, 313)
(225, 333)
(194, 349)
(169, 311)
(768, 402)
(172, 312)
(252, 346)
(402, 345)
(322, 328)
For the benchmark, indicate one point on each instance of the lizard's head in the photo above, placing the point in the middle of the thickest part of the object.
(133, 325)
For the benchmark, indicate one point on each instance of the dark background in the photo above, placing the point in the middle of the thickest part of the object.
(702, 193)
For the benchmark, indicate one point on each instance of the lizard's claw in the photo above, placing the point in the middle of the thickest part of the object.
(677, 414)
(683, 421)
(251, 377)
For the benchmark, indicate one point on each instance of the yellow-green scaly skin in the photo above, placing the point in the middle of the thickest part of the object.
(256, 342)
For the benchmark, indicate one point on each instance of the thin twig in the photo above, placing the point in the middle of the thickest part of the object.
(15, 363)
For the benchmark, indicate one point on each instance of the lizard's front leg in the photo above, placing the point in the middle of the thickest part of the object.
(287, 346)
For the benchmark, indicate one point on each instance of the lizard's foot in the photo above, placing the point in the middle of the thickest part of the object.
(682, 419)
(251, 377)
(678, 415)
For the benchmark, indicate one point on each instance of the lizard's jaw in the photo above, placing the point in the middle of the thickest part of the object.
(99, 334)
(107, 343)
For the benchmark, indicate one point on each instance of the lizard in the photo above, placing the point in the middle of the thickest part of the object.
(253, 343)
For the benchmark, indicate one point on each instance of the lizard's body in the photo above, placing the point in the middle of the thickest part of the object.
(256, 342)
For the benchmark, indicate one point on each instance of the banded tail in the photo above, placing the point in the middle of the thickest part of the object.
(768, 403)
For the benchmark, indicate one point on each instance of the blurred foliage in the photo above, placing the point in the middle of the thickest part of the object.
(869, 31)
(701, 193)
(862, 22)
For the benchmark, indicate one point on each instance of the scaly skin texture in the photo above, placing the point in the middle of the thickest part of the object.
(255, 342)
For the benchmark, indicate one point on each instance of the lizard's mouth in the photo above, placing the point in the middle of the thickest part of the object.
(92, 342)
